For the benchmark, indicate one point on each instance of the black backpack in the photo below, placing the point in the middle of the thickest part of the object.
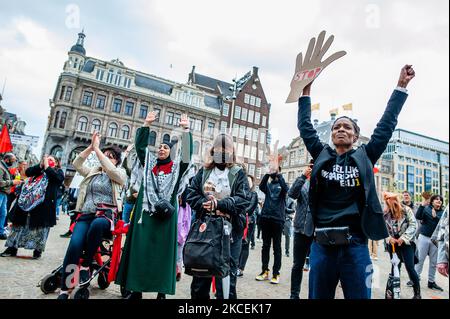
(206, 252)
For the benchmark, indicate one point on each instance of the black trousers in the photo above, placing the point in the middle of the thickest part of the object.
(271, 234)
(406, 256)
(200, 287)
(302, 245)
(246, 246)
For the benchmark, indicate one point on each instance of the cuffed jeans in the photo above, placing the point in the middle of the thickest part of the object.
(349, 264)
(200, 286)
(87, 236)
(426, 248)
(302, 245)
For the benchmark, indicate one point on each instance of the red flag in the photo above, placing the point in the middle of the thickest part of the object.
(5, 141)
(376, 169)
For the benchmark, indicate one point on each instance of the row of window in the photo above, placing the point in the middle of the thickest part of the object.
(252, 100)
(247, 115)
(117, 105)
(248, 133)
(113, 128)
(114, 78)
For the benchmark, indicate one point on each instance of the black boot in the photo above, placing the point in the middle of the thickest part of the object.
(9, 252)
(161, 296)
(416, 292)
(134, 295)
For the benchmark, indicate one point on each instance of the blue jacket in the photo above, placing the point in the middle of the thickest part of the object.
(365, 157)
(429, 224)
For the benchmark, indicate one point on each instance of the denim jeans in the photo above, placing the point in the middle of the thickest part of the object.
(127, 208)
(58, 206)
(349, 264)
(3, 212)
(87, 237)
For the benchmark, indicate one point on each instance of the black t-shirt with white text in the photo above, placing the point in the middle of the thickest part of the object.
(340, 193)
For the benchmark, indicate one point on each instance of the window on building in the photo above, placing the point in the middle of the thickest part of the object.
(253, 151)
(127, 82)
(258, 173)
(428, 179)
(410, 178)
(56, 119)
(211, 127)
(199, 125)
(112, 130)
(110, 78)
(237, 112)
(62, 122)
(264, 120)
(57, 151)
(118, 78)
(177, 119)
(68, 94)
(96, 125)
(247, 99)
(143, 112)
(244, 113)
(251, 115)
(117, 106)
(125, 132)
(257, 118)
(166, 138)
(252, 100)
(223, 126)
(157, 114)
(129, 108)
(169, 118)
(251, 169)
(248, 133)
(240, 149)
(82, 124)
(260, 155)
(87, 98)
(258, 102)
(75, 65)
(101, 101)
(241, 131)
(262, 138)
(100, 74)
(152, 138)
(61, 93)
(196, 149)
(225, 109)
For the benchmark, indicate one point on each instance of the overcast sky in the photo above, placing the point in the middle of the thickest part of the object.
(226, 38)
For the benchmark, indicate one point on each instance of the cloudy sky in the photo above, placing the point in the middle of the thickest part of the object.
(226, 38)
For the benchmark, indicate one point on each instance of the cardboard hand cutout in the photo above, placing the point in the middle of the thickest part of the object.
(309, 68)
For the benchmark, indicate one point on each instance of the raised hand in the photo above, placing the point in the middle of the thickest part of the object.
(184, 122)
(308, 68)
(96, 140)
(151, 117)
(274, 158)
(406, 74)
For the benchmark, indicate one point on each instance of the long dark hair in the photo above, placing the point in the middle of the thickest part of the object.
(434, 197)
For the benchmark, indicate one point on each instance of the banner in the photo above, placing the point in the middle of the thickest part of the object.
(24, 140)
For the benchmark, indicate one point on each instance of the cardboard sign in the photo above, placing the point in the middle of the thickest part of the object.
(309, 68)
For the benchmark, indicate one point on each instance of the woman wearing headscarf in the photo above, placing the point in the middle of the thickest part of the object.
(149, 258)
(33, 218)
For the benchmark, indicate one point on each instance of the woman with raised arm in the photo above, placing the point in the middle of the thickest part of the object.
(343, 199)
(149, 259)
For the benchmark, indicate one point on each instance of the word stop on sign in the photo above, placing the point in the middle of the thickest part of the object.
(307, 75)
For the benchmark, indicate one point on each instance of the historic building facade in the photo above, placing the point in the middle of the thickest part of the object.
(245, 109)
(93, 94)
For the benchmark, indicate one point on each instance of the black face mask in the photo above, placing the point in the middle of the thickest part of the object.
(222, 158)
(9, 164)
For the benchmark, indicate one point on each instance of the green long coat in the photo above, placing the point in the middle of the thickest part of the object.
(148, 263)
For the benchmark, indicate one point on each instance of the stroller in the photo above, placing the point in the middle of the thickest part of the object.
(104, 270)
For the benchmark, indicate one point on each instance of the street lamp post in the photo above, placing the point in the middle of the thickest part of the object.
(234, 90)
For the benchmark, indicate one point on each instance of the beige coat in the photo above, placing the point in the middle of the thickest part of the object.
(117, 175)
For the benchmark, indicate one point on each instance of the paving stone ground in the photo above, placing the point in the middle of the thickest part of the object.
(19, 276)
